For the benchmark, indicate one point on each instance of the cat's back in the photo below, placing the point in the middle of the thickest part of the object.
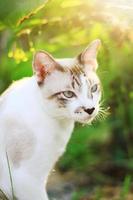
(18, 93)
(18, 105)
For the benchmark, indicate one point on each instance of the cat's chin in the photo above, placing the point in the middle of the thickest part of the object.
(85, 121)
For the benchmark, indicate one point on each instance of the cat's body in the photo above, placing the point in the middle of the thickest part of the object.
(42, 138)
(37, 118)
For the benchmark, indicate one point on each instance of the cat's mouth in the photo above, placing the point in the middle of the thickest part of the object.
(86, 120)
(85, 116)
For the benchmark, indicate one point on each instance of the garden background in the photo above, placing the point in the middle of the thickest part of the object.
(98, 162)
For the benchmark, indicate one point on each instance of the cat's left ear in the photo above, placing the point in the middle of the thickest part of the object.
(88, 58)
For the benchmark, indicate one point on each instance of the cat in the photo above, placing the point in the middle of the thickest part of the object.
(37, 117)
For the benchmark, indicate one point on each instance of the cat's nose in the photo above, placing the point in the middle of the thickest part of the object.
(89, 110)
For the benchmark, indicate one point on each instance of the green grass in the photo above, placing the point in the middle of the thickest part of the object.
(117, 192)
(10, 174)
(125, 188)
(2, 194)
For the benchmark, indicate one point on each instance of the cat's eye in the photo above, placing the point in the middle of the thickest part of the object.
(94, 88)
(68, 94)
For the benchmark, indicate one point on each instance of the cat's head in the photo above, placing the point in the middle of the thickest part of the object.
(70, 87)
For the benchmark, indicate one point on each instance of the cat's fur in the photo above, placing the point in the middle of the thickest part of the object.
(37, 117)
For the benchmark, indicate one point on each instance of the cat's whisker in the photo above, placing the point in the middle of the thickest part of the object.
(102, 114)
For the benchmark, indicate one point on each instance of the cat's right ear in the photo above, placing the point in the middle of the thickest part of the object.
(43, 65)
(88, 58)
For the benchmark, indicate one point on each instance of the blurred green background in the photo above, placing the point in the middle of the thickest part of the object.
(98, 162)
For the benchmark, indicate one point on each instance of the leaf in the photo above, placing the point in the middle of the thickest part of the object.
(125, 188)
(14, 12)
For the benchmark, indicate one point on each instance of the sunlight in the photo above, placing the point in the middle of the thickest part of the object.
(121, 9)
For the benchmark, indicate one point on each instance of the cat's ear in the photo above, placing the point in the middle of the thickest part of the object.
(88, 57)
(43, 64)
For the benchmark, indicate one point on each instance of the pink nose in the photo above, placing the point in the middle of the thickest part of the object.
(89, 110)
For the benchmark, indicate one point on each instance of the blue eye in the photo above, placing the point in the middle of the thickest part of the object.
(94, 88)
(68, 94)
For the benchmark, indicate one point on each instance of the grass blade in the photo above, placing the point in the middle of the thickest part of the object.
(8, 163)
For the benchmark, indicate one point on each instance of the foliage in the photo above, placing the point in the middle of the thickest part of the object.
(14, 13)
(126, 188)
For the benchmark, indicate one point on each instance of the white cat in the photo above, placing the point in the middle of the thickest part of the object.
(37, 117)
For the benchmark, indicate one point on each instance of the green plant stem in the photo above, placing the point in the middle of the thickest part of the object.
(13, 196)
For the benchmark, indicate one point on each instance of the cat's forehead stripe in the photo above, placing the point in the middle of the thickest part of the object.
(89, 81)
(76, 69)
(76, 81)
(79, 59)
